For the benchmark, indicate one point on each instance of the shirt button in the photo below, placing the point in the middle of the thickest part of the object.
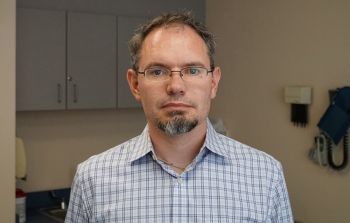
(179, 180)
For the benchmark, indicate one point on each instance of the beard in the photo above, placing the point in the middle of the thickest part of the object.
(177, 124)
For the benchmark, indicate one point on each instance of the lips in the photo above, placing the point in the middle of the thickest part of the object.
(176, 105)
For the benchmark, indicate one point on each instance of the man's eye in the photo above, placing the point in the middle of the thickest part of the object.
(156, 72)
(192, 71)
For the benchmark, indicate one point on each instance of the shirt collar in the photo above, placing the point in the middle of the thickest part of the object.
(143, 144)
(214, 141)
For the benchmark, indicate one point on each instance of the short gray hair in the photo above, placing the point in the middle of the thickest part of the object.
(185, 18)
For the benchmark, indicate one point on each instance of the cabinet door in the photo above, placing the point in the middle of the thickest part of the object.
(91, 61)
(40, 60)
(126, 27)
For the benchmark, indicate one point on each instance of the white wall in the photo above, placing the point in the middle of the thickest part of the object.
(264, 46)
(57, 141)
(7, 110)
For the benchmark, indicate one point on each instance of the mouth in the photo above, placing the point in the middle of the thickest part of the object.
(176, 105)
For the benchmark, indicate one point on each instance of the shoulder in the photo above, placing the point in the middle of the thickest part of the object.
(112, 158)
(240, 154)
(247, 157)
(252, 167)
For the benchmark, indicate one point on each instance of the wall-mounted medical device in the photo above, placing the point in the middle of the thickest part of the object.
(334, 126)
(299, 97)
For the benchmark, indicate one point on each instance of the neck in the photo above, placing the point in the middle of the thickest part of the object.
(178, 151)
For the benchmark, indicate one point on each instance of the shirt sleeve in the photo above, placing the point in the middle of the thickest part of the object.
(280, 208)
(77, 209)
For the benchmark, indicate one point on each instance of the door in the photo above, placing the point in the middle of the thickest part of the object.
(91, 61)
(40, 60)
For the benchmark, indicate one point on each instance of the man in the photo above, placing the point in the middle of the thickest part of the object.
(179, 169)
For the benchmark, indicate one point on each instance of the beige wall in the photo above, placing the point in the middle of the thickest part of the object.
(7, 110)
(57, 141)
(264, 46)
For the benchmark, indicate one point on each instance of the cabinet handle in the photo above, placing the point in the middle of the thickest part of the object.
(59, 95)
(75, 93)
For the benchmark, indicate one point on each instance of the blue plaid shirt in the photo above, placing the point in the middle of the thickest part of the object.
(227, 182)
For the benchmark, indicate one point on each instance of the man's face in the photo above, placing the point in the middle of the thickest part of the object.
(174, 102)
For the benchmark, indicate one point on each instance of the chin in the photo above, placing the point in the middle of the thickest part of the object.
(176, 125)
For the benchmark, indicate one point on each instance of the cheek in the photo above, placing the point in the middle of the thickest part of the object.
(204, 98)
(148, 98)
(209, 91)
(146, 101)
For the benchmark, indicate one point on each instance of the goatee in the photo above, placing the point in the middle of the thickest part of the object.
(177, 124)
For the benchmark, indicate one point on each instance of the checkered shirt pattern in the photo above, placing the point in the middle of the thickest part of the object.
(227, 182)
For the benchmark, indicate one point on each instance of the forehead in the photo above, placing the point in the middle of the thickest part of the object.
(174, 44)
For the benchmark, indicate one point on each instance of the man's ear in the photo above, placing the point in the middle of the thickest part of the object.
(215, 81)
(133, 84)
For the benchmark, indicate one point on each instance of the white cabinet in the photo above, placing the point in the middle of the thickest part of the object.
(91, 61)
(41, 58)
(66, 60)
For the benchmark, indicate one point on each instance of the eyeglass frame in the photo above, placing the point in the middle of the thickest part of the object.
(176, 71)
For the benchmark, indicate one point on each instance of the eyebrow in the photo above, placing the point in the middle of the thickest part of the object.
(156, 64)
(190, 64)
(194, 64)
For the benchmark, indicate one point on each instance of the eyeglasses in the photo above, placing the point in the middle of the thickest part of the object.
(159, 73)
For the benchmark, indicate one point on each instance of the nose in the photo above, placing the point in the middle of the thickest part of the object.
(175, 84)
